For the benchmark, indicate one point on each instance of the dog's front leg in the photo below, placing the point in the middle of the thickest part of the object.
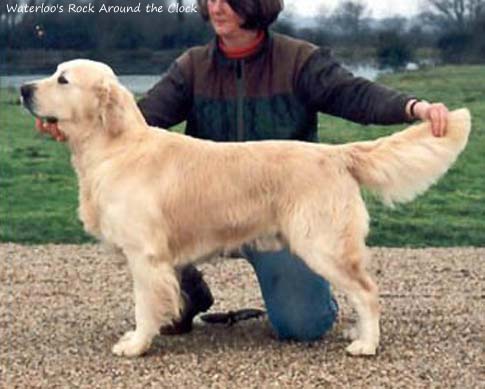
(88, 214)
(157, 302)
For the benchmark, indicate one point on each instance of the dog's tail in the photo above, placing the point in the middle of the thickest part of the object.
(401, 166)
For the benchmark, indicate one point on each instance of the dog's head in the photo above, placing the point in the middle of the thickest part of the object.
(81, 94)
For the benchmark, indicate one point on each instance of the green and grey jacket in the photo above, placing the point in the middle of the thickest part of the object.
(275, 93)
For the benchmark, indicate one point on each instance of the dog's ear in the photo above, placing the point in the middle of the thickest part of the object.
(113, 104)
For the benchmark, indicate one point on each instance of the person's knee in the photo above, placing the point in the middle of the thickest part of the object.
(299, 302)
(303, 319)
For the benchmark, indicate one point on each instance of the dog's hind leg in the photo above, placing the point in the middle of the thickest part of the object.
(363, 294)
(345, 270)
(157, 302)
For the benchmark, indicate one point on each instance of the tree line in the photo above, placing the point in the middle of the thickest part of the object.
(116, 30)
(454, 27)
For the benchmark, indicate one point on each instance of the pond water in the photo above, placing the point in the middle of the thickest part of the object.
(139, 83)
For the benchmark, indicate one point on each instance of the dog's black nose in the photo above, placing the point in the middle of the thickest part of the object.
(27, 92)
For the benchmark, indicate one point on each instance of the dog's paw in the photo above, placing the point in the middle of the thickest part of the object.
(359, 347)
(127, 336)
(351, 333)
(131, 344)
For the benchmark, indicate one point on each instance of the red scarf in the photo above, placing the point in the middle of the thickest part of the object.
(242, 52)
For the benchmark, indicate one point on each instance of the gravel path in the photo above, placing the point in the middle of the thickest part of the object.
(62, 307)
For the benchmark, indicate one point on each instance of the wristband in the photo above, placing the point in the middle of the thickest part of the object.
(411, 108)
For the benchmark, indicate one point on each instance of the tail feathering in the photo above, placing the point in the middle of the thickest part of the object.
(401, 166)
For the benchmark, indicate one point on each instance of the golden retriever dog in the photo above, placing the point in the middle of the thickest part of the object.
(166, 200)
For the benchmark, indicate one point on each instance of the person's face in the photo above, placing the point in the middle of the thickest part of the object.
(224, 20)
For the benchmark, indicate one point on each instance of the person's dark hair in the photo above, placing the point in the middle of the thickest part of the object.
(257, 14)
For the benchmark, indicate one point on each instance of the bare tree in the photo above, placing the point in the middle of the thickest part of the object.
(349, 16)
(456, 15)
(394, 23)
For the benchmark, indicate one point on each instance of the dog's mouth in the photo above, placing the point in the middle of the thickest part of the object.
(49, 119)
(44, 119)
(27, 93)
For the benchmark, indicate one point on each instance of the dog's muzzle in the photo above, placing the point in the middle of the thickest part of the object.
(27, 93)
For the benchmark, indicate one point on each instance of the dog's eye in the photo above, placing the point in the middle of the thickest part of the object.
(62, 80)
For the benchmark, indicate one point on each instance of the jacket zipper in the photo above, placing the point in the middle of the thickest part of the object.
(240, 100)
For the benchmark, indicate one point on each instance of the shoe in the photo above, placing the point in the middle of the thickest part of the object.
(197, 298)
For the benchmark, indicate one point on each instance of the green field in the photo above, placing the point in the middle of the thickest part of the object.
(38, 191)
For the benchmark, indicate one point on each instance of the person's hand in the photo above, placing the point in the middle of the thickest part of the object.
(51, 129)
(436, 113)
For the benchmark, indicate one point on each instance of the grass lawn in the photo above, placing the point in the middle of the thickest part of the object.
(38, 190)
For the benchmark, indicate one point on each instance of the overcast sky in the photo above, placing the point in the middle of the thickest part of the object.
(378, 8)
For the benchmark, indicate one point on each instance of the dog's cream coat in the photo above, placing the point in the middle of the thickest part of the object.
(166, 199)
